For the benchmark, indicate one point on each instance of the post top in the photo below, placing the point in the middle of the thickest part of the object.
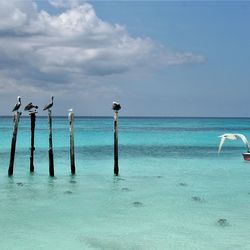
(33, 112)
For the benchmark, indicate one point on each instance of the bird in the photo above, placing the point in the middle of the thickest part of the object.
(18, 104)
(49, 105)
(30, 106)
(233, 137)
(71, 114)
(116, 106)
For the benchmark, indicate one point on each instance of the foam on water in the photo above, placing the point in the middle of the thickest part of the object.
(174, 191)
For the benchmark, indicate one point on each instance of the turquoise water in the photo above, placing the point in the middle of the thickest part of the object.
(172, 190)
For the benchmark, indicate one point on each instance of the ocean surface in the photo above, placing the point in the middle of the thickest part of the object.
(174, 192)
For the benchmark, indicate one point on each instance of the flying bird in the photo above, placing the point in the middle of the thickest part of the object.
(116, 106)
(30, 106)
(18, 104)
(49, 105)
(233, 137)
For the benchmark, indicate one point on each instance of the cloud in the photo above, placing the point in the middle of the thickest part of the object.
(41, 50)
(66, 3)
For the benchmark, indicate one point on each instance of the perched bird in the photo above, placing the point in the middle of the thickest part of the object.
(233, 137)
(49, 105)
(71, 114)
(116, 106)
(30, 106)
(18, 105)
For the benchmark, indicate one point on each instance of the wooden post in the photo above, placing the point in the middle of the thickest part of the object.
(51, 158)
(13, 142)
(116, 166)
(32, 142)
(72, 148)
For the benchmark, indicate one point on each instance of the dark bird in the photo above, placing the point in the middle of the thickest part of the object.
(30, 106)
(116, 106)
(49, 105)
(18, 105)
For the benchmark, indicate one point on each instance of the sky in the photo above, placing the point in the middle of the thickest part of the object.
(157, 58)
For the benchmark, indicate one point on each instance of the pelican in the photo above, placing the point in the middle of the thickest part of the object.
(49, 105)
(18, 105)
(116, 106)
(233, 137)
(30, 106)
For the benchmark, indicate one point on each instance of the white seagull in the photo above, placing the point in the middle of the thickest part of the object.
(233, 137)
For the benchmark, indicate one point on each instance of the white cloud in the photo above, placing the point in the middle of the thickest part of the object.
(66, 3)
(45, 51)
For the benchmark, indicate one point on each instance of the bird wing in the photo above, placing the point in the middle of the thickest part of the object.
(46, 107)
(28, 106)
(230, 136)
(244, 139)
(222, 140)
(14, 109)
(17, 106)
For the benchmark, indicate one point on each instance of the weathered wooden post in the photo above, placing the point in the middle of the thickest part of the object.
(14, 136)
(13, 142)
(32, 142)
(32, 112)
(50, 150)
(72, 147)
(116, 107)
(51, 155)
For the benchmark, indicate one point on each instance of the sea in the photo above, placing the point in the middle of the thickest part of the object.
(173, 191)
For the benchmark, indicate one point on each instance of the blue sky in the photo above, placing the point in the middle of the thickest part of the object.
(157, 58)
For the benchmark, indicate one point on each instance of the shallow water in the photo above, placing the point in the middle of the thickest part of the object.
(173, 192)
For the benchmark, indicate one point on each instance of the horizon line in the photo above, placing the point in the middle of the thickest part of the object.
(127, 116)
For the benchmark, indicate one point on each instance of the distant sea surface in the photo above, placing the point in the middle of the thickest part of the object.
(174, 192)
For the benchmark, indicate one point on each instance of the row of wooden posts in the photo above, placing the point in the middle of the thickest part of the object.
(50, 148)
